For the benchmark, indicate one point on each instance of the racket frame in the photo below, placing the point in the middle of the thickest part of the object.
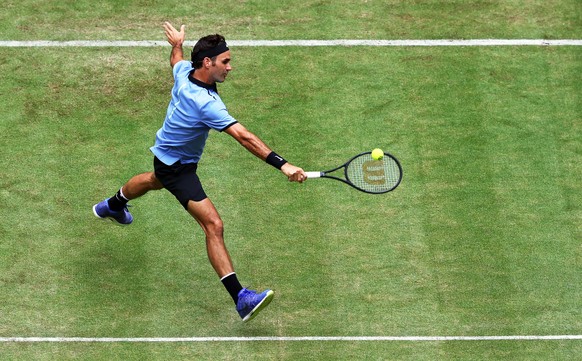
(324, 174)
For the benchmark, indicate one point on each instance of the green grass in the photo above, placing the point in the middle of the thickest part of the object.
(481, 238)
(292, 19)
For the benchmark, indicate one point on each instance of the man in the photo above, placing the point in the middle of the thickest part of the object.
(194, 109)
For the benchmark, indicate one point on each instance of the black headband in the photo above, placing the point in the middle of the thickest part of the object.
(210, 53)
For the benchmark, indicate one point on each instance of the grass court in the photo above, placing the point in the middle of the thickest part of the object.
(482, 238)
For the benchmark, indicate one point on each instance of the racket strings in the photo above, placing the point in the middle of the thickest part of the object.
(376, 176)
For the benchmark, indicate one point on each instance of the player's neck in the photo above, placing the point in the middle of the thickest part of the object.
(203, 76)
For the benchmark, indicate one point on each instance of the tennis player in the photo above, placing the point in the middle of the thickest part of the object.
(195, 108)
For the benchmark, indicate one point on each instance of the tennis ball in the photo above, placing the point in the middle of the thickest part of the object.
(377, 154)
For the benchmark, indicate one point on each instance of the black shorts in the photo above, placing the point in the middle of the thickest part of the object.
(181, 180)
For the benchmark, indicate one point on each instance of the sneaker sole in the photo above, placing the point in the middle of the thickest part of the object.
(258, 308)
(108, 218)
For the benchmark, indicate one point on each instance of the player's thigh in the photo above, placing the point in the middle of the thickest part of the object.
(206, 214)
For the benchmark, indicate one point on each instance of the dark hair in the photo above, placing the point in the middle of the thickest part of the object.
(205, 43)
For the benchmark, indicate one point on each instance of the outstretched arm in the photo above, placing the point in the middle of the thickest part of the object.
(256, 146)
(176, 39)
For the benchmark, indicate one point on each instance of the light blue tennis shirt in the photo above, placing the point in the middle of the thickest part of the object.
(194, 109)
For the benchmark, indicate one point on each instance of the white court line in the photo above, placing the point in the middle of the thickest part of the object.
(293, 339)
(339, 42)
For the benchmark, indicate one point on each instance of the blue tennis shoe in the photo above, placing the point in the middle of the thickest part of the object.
(102, 210)
(250, 303)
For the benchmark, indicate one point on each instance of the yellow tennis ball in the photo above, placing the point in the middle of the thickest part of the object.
(377, 154)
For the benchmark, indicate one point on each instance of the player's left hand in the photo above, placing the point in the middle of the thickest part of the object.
(175, 37)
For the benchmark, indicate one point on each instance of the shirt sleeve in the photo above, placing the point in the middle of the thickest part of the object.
(183, 66)
(216, 116)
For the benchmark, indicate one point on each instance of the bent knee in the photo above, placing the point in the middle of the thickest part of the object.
(154, 182)
(215, 226)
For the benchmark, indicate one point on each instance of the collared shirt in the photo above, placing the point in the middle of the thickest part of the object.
(194, 109)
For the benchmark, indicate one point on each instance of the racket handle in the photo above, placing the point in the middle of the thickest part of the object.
(313, 174)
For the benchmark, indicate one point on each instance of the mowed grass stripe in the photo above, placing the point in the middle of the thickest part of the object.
(338, 42)
(289, 339)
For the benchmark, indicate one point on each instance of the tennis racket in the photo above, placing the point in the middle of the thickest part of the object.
(366, 174)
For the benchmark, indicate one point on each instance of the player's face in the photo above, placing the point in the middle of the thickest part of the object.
(221, 67)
